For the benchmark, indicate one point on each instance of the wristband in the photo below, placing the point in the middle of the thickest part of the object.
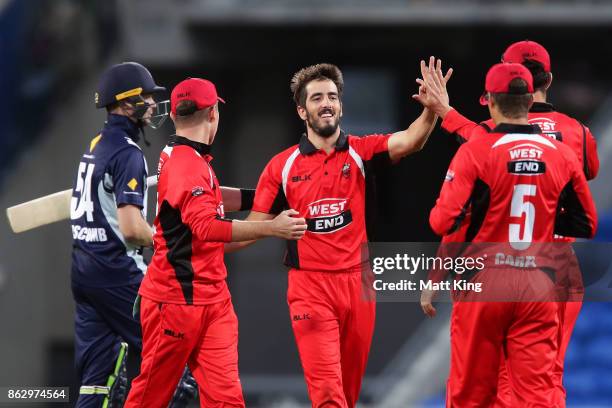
(247, 196)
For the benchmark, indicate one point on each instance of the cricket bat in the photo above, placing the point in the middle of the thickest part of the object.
(45, 210)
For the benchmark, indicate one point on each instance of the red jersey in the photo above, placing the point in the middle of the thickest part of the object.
(515, 180)
(554, 124)
(190, 231)
(329, 191)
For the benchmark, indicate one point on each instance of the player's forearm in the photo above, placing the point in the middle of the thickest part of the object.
(250, 230)
(253, 216)
(132, 225)
(231, 198)
(439, 221)
(237, 246)
(450, 209)
(140, 234)
(414, 138)
(237, 199)
(592, 160)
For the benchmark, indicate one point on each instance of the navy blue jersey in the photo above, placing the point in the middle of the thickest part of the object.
(112, 172)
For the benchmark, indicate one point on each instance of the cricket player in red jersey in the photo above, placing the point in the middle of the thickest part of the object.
(570, 132)
(324, 177)
(186, 310)
(517, 204)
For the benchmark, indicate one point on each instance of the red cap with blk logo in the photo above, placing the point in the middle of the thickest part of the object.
(201, 91)
(521, 51)
(499, 80)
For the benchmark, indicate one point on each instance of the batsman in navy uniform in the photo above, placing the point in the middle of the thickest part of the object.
(109, 230)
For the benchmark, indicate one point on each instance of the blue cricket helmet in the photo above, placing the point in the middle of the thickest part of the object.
(125, 80)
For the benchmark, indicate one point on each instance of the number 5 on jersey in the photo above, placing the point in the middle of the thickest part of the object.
(84, 204)
(519, 207)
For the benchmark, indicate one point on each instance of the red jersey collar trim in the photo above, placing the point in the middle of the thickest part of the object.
(201, 148)
(306, 146)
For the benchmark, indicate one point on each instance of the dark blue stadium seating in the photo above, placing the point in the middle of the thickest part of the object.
(588, 363)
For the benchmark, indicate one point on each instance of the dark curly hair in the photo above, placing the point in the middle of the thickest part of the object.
(540, 77)
(316, 72)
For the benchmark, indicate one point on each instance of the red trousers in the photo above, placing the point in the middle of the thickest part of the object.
(333, 323)
(482, 333)
(568, 314)
(204, 337)
(570, 291)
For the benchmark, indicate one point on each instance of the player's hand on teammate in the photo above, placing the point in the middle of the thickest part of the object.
(432, 87)
(427, 297)
(287, 226)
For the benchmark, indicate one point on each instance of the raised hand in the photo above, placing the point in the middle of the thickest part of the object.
(432, 87)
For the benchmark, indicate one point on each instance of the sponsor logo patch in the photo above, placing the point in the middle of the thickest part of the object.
(306, 177)
(305, 316)
(548, 127)
(328, 215)
(197, 191)
(526, 158)
(221, 210)
(526, 167)
(525, 151)
(132, 184)
(346, 170)
(176, 335)
(450, 175)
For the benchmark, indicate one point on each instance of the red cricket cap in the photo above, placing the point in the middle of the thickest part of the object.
(499, 78)
(198, 90)
(527, 50)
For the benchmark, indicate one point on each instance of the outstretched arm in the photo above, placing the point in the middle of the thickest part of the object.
(414, 138)
(433, 87)
(253, 216)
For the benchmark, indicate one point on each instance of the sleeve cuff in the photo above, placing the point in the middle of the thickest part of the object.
(260, 209)
(452, 121)
(221, 230)
(131, 200)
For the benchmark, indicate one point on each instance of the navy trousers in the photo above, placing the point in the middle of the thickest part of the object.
(103, 320)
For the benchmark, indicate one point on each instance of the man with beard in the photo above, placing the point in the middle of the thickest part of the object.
(324, 179)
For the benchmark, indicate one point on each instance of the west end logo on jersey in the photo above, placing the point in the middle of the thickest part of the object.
(545, 124)
(526, 151)
(328, 215)
(526, 159)
(548, 127)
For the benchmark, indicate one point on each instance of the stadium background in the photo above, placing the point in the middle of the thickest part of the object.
(52, 51)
